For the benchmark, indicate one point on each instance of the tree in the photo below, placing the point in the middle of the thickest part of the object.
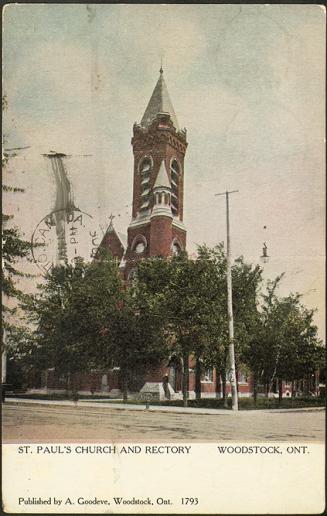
(165, 283)
(133, 338)
(300, 351)
(246, 279)
(14, 250)
(85, 318)
(194, 305)
(283, 344)
(68, 313)
(14, 247)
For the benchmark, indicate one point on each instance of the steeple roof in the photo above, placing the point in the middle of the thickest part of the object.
(159, 103)
(162, 177)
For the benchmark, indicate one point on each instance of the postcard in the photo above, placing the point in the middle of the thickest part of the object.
(163, 259)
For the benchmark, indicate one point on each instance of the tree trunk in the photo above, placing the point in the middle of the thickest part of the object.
(223, 377)
(255, 389)
(74, 387)
(292, 389)
(292, 392)
(306, 386)
(218, 384)
(197, 379)
(280, 391)
(68, 384)
(185, 378)
(124, 385)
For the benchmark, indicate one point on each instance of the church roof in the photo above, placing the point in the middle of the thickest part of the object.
(123, 238)
(162, 177)
(159, 103)
(111, 238)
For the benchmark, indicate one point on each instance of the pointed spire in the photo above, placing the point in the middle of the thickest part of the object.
(111, 226)
(162, 177)
(159, 103)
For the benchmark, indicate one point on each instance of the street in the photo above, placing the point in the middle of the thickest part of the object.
(23, 422)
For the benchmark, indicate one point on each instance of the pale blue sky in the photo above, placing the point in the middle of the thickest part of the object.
(246, 81)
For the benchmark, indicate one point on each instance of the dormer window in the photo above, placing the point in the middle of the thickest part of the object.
(145, 171)
(174, 174)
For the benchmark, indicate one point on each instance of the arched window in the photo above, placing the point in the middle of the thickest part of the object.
(174, 173)
(139, 244)
(176, 247)
(145, 171)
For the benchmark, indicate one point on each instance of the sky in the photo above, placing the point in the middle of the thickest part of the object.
(247, 81)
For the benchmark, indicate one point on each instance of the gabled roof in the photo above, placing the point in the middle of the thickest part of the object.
(159, 103)
(115, 241)
(162, 177)
(123, 238)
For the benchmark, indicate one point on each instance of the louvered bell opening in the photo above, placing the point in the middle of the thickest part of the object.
(174, 204)
(146, 166)
(175, 168)
(145, 180)
(174, 181)
(145, 205)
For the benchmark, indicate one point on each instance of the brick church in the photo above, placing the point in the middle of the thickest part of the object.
(156, 229)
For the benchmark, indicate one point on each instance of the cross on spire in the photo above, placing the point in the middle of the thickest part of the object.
(161, 69)
(111, 218)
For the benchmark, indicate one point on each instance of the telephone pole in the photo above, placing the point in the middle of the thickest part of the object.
(231, 350)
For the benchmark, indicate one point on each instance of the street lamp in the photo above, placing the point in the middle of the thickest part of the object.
(264, 257)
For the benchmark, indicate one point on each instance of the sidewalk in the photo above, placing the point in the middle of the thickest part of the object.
(153, 408)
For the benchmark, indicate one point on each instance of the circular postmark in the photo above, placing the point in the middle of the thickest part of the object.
(63, 235)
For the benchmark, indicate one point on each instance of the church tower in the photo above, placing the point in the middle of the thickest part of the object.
(159, 147)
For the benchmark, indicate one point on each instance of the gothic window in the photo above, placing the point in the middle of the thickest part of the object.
(139, 244)
(174, 174)
(176, 248)
(145, 171)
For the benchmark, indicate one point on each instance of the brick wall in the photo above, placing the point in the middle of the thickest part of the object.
(160, 236)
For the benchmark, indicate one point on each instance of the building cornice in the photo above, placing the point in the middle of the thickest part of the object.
(178, 224)
(135, 223)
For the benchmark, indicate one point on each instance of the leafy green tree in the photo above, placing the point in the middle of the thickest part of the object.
(14, 248)
(15, 251)
(193, 297)
(283, 344)
(68, 313)
(83, 317)
(246, 280)
(133, 338)
(300, 351)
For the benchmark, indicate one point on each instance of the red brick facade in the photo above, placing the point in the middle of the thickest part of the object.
(112, 241)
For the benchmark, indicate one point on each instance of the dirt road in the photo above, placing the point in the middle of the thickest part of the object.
(45, 423)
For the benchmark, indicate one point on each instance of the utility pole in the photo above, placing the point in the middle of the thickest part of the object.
(231, 350)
